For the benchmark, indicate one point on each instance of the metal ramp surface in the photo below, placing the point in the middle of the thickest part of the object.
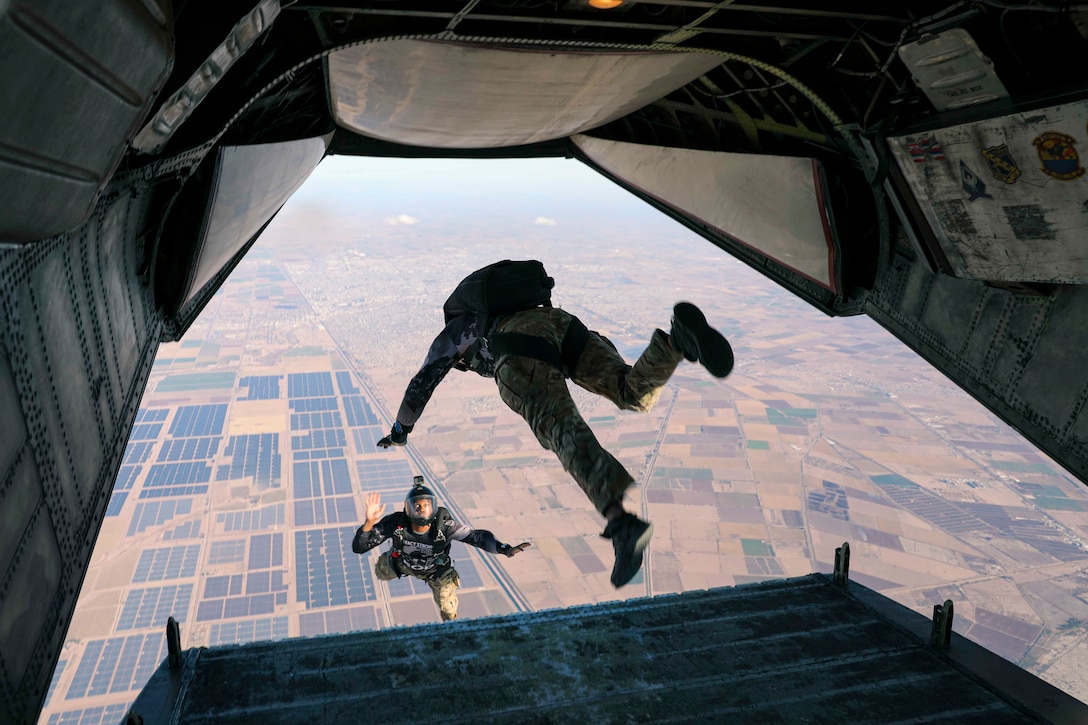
(802, 650)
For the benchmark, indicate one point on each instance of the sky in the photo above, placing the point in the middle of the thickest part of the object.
(420, 191)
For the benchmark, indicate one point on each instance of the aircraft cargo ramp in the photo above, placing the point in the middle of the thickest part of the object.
(803, 650)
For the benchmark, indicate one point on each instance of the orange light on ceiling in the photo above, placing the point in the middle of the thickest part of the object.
(605, 4)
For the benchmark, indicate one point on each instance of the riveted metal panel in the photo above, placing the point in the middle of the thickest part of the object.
(1018, 351)
(1055, 375)
(36, 387)
(948, 311)
(913, 289)
(33, 582)
(54, 332)
(80, 330)
(102, 63)
(11, 412)
(988, 317)
(1014, 345)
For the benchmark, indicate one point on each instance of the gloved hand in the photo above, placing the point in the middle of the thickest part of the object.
(397, 437)
(514, 550)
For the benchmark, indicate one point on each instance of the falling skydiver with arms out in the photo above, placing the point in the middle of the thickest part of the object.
(500, 323)
(422, 534)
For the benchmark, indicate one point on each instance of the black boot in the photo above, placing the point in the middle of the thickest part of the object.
(630, 536)
(701, 343)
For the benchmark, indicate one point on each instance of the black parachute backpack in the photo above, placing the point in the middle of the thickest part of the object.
(499, 289)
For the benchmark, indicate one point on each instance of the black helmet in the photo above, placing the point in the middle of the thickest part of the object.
(418, 494)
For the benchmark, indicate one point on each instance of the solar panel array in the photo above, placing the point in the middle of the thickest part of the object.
(98, 715)
(154, 513)
(358, 411)
(148, 424)
(199, 420)
(351, 619)
(255, 456)
(58, 671)
(322, 492)
(241, 631)
(366, 439)
(321, 438)
(247, 606)
(321, 478)
(327, 572)
(227, 552)
(261, 387)
(138, 452)
(307, 421)
(318, 455)
(338, 510)
(263, 582)
(407, 586)
(217, 587)
(264, 518)
(187, 530)
(189, 478)
(175, 562)
(385, 476)
(117, 502)
(309, 385)
(126, 477)
(189, 449)
(470, 575)
(313, 405)
(345, 384)
(256, 592)
(152, 415)
(117, 664)
(145, 431)
(265, 551)
(151, 607)
(170, 474)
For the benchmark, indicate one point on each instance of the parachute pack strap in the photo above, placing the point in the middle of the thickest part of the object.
(574, 341)
(517, 343)
(440, 519)
(396, 550)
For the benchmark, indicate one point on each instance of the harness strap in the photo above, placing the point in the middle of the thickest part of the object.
(574, 341)
(565, 357)
(522, 345)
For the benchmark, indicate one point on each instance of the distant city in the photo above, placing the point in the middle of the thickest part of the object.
(254, 449)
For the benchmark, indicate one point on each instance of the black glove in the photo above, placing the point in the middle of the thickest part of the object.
(397, 437)
(513, 550)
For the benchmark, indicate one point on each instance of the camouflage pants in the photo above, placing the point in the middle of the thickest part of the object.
(538, 392)
(443, 584)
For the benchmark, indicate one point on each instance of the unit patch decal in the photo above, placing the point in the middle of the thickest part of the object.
(925, 149)
(1060, 159)
(973, 185)
(1001, 163)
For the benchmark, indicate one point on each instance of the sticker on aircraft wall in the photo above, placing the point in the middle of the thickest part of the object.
(973, 185)
(1060, 159)
(925, 149)
(1002, 165)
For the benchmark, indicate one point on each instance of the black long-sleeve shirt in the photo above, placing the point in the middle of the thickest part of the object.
(458, 342)
(419, 552)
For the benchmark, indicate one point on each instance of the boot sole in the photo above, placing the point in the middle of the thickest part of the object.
(619, 578)
(715, 354)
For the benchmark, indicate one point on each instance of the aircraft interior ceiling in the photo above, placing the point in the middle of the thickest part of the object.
(916, 162)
